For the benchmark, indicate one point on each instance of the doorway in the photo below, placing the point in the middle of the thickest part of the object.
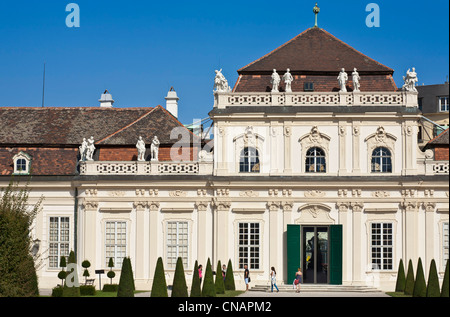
(315, 255)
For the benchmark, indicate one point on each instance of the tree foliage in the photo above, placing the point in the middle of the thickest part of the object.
(17, 264)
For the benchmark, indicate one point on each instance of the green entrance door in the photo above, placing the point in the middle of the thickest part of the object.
(317, 250)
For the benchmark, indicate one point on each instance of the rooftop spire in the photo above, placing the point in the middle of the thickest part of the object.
(316, 11)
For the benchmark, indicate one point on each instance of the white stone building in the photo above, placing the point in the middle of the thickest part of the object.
(286, 170)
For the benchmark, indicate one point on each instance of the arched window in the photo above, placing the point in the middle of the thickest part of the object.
(381, 160)
(315, 161)
(249, 160)
(22, 163)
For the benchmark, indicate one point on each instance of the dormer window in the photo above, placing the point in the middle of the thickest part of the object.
(22, 163)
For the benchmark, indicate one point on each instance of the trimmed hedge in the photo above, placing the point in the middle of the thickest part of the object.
(444, 290)
(110, 288)
(196, 290)
(219, 283)
(179, 287)
(229, 278)
(208, 289)
(433, 281)
(87, 290)
(420, 286)
(401, 278)
(159, 286)
(409, 286)
(71, 292)
(126, 282)
(57, 291)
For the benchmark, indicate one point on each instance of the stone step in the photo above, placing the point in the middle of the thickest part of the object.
(317, 288)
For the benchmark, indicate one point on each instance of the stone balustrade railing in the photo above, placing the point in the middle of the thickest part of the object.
(397, 98)
(145, 168)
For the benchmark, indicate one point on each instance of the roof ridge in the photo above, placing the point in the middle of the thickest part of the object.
(274, 50)
(354, 49)
(127, 126)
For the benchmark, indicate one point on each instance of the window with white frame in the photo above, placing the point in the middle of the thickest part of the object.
(381, 246)
(177, 240)
(249, 160)
(115, 242)
(249, 245)
(381, 160)
(443, 104)
(445, 243)
(315, 160)
(58, 240)
(22, 163)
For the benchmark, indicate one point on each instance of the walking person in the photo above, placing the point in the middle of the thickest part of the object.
(200, 273)
(273, 279)
(246, 277)
(298, 279)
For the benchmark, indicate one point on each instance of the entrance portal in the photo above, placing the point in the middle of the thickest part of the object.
(317, 250)
(315, 254)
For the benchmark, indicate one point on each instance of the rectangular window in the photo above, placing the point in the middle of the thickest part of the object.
(177, 243)
(445, 243)
(58, 240)
(115, 242)
(381, 246)
(443, 104)
(249, 245)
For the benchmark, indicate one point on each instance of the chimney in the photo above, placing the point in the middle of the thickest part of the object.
(172, 102)
(106, 100)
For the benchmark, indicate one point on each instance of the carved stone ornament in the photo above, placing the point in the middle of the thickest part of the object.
(273, 205)
(314, 193)
(315, 138)
(429, 206)
(287, 205)
(140, 192)
(222, 205)
(381, 194)
(357, 206)
(201, 205)
(343, 206)
(140, 204)
(177, 193)
(153, 205)
(249, 193)
(90, 204)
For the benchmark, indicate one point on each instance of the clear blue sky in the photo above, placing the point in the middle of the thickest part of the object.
(139, 49)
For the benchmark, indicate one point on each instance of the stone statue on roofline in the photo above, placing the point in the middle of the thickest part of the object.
(154, 149)
(220, 82)
(355, 79)
(410, 80)
(275, 81)
(140, 145)
(90, 149)
(342, 79)
(83, 150)
(288, 79)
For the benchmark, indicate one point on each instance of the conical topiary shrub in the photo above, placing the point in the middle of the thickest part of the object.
(444, 290)
(409, 285)
(179, 287)
(433, 281)
(420, 287)
(125, 288)
(229, 278)
(196, 290)
(401, 278)
(159, 285)
(208, 289)
(130, 271)
(219, 283)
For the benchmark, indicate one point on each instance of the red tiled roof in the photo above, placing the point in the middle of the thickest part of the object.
(315, 50)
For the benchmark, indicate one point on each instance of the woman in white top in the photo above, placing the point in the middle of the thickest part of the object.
(273, 278)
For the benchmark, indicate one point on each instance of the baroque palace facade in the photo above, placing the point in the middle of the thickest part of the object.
(318, 167)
